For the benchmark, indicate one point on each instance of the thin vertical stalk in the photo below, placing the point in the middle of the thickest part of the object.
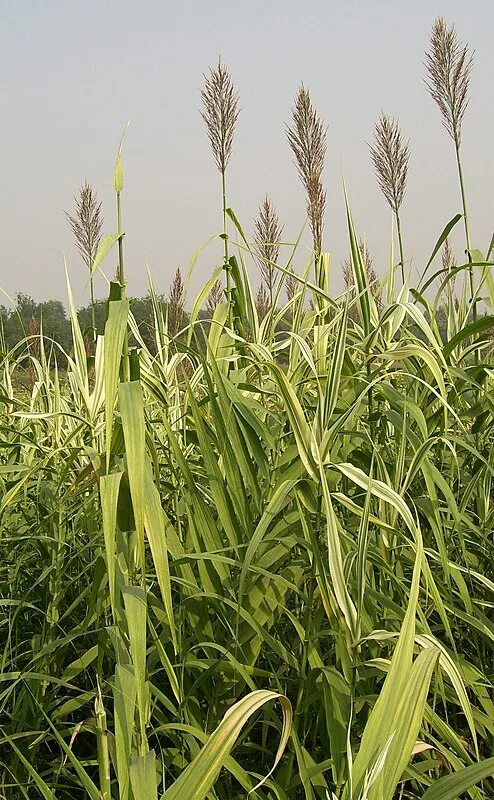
(103, 751)
(93, 314)
(226, 265)
(120, 268)
(390, 154)
(121, 281)
(467, 231)
(400, 247)
(86, 224)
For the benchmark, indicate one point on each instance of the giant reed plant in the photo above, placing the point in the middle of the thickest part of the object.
(86, 224)
(390, 155)
(307, 139)
(449, 67)
(220, 113)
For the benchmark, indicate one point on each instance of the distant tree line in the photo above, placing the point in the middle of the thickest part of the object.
(24, 322)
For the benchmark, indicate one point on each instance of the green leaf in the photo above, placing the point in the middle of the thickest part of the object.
(131, 407)
(156, 524)
(453, 786)
(485, 323)
(104, 248)
(44, 789)
(406, 725)
(124, 699)
(365, 300)
(118, 181)
(109, 489)
(335, 559)
(136, 613)
(143, 777)
(115, 330)
(384, 717)
(198, 778)
(444, 235)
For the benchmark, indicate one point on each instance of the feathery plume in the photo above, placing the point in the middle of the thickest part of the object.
(390, 155)
(449, 66)
(307, 138)
(220, 113)
(176, 304)
(267, 237)
(86, 223)
(447, 256)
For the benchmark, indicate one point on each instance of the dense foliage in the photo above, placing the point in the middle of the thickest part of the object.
(258, 545)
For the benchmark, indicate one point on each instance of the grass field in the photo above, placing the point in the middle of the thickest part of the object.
(257, 560)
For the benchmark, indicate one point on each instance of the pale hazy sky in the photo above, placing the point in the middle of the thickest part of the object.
(74, 72)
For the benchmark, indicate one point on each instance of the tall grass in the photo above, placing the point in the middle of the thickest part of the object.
(86, 224)
(255, 559)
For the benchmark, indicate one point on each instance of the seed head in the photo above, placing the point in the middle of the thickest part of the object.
(86, 223)
(307, 138)
(220, 113)
(390, 154)
(267, 237)
(449, 67)
(176, 303)
(447, 257)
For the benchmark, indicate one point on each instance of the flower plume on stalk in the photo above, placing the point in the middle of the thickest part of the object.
(220, 113)
(448, 259)
(307, 138)
(176, 304)
(390, 155)
(449, 66)
(86, 223)
(267, 237)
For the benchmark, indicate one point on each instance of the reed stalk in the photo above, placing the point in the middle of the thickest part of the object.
(220, 113)
(449, 66)
(86, 223)
(391, 155)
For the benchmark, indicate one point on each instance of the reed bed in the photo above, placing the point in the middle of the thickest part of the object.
(256, 559)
